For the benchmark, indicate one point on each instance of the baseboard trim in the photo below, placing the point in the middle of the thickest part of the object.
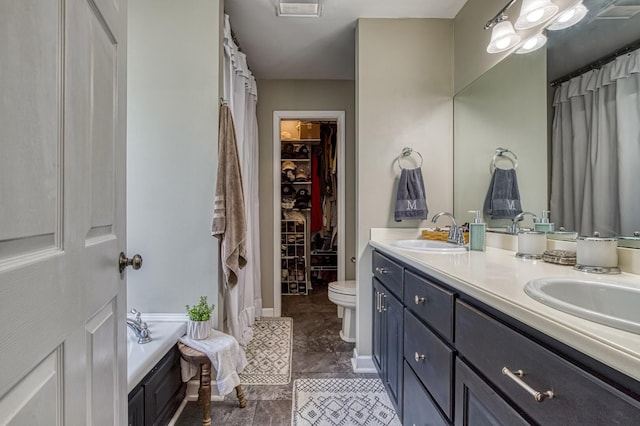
(267, 312)
(362, 364)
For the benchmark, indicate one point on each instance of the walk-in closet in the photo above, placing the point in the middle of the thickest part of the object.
(309, 204)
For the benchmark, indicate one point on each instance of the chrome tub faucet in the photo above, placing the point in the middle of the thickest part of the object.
(139, 327)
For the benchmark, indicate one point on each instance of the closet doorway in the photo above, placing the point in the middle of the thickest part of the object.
(308, 167)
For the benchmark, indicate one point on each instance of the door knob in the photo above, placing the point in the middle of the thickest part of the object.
(135, 261)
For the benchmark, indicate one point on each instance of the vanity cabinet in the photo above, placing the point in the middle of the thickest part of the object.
(157, 397)
(464, 363)
(388, 325)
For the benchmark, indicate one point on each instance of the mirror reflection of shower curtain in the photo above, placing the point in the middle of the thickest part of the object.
(596, 150)
(243, 302)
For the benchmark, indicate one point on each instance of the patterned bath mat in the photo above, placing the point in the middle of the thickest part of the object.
(269, 353)
(341, 402)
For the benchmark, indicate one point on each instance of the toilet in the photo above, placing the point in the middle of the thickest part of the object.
(343, 294)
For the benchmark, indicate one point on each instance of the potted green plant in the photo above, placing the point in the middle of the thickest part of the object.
(199, 323)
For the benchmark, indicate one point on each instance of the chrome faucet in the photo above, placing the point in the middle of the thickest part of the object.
(139, 327)
(519, 217)
(455, 232)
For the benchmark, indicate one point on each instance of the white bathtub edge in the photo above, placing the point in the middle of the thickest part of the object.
(142, 358)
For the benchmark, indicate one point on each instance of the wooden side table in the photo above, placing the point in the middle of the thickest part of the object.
(204, 391)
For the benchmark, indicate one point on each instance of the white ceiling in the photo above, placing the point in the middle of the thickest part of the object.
(316, 48)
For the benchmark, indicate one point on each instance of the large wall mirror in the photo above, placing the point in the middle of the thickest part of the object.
(511, 106)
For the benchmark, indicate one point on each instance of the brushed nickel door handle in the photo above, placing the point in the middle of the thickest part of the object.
(516, 377)
(418, 357)
(418, 300)
(135, 262)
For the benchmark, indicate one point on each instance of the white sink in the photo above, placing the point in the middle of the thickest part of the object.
(610, 303)
(429, 245)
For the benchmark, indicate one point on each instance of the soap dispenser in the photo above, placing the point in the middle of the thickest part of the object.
(477, 233)
(544, 225)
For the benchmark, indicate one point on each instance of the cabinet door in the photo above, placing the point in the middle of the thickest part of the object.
(163, 390)
(478, 404)
(393, 350)
(377, 328)
(136, 407)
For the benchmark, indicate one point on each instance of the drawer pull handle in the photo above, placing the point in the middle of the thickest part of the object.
(419, 300)
(382, 271)
(515, 376)
(418, 357)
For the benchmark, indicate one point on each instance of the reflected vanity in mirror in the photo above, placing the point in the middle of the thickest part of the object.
(511, 106)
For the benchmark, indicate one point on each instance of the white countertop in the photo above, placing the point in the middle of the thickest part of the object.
(497, 278)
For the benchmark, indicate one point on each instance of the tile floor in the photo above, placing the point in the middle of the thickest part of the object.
(318, 352)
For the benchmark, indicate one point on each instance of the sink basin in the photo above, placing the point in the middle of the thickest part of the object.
(610, 303)
(429, 245)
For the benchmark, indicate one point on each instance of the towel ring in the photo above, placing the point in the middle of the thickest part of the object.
(502, 152)
(406, 152)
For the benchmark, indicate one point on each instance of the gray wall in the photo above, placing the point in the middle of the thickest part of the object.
(302, 95)
(173, 99)
(404, 97)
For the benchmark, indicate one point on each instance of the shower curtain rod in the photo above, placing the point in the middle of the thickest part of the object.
(598, 63)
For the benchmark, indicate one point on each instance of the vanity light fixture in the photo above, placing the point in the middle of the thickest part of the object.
(532, 44)
(299, 8)
(570, 17)
(535, 12)
(503, 37)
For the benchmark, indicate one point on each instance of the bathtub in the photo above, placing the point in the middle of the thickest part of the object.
(142, 358)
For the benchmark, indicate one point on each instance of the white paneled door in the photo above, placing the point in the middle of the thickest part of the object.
(62, 212)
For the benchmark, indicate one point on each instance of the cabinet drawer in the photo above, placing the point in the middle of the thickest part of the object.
(388, 272)
(478, 404)
(431, 360)
(433, 304)
(579, 398)
(418, 408)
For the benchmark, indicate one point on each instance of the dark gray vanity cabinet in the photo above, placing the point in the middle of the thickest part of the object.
(465, 363)
(157, 397)
(388, 326)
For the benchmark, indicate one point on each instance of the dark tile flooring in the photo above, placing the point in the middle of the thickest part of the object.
(318, 352)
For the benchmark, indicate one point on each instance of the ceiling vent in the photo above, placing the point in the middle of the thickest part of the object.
(299, 8)
(618, 11)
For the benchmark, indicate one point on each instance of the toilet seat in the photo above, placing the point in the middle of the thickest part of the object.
(347, 288)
